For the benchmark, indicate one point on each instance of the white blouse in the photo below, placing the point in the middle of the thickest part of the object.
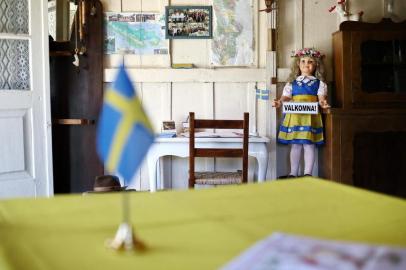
(322, 91)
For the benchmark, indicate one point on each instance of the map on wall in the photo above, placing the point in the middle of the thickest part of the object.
(233, 42)
(135, 33)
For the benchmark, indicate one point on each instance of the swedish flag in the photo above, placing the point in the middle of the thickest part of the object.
(262, 94)
(124, 132)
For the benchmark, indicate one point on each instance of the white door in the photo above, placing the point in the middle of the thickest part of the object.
(25, 129)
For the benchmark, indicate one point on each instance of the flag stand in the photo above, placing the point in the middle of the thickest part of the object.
(133, 133)
(125, 238)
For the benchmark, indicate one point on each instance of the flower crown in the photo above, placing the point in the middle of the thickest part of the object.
(310, 52)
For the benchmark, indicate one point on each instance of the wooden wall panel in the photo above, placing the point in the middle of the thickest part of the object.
(111, 5)
(132, 60)
(315, 25)
(169, 94)
(230, 100)
(195, 75)
(112, 60)
(260, 31)
(193, 51)
(146, 6)
(180, 168)
(191, 97)
(188, 2)
(156, 99)
(263, 113)
(157, 104)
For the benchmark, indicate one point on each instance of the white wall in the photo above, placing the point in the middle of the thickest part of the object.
(170, 94)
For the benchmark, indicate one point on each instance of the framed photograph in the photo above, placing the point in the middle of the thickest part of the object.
(168, 125)
(188, 22)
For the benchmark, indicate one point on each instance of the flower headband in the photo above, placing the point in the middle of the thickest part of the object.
(310, 52)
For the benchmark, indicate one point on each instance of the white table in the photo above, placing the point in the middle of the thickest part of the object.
(179, 146)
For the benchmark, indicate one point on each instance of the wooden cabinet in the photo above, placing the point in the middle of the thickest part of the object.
(366, 127)
(370, 65)
(76, 100)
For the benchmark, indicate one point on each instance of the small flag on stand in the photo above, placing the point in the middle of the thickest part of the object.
(262, 94)
(123, 138)
(124, 132)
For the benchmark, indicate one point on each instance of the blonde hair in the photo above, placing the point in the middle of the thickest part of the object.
(319, 72)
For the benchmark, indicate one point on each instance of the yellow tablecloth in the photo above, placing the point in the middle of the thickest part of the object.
(200, 229)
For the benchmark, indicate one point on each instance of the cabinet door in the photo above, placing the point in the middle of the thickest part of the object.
(378, 69)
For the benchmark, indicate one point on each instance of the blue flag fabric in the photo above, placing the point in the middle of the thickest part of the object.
(262, 94)
(124, 132)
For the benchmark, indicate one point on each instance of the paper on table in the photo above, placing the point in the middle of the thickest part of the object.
(283, 251)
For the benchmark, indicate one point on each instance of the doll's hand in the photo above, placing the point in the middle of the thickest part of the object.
(276, 103)
(324, 104)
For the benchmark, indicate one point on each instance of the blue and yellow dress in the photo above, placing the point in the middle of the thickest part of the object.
(302, 128)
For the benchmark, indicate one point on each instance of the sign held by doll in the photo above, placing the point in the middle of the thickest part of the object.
(300, 107)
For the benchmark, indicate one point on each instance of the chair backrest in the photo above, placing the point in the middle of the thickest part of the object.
(217, 152)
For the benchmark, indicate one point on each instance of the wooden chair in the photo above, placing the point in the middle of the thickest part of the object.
(217, 178)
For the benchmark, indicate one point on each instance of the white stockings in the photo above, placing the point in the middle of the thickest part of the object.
(295, 153)
(309, 150)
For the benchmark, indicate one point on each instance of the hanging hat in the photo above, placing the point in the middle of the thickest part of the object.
(107, 183)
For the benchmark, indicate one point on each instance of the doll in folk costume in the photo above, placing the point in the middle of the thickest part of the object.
(305, 84)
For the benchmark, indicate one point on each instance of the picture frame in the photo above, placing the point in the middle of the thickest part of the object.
(188, 22)
(168, 126)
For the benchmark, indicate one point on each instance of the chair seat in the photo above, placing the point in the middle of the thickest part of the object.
(197, 179)
(218, 178)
